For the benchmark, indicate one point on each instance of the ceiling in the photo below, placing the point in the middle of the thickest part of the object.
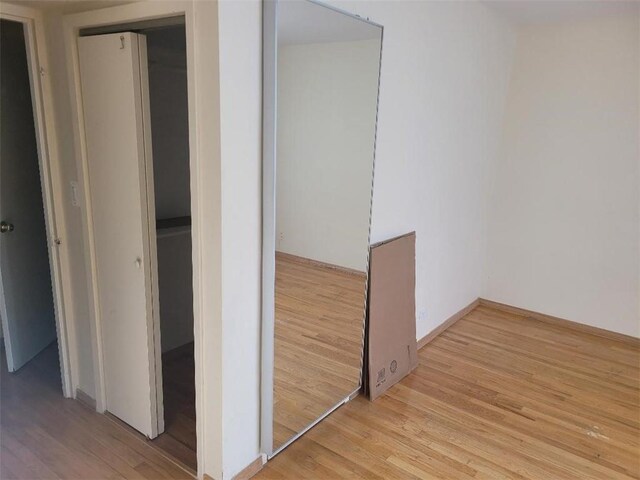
(544, 11)
(69, 6)
(307, 22)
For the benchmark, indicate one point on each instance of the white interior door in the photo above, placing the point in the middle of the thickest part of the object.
(113, 71)
(26, 297)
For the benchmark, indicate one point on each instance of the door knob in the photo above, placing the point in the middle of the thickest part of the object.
(6, 227)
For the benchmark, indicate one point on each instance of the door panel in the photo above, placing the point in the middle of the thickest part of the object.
(26, 297)
(113, 80)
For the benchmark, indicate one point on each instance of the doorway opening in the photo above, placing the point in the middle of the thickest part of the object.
(167, 60)
(151, 84)
(27, 310)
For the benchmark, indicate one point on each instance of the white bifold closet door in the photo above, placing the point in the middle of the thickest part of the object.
(114, 81)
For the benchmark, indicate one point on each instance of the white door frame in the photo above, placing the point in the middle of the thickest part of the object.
(52, 191)
(135, 12)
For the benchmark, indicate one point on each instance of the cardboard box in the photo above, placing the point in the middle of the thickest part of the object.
(391, 347)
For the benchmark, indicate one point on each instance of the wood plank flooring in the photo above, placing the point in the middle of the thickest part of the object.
(497, 395)
(178, 440)
(43, 435)
(179, 390)
(318, 341)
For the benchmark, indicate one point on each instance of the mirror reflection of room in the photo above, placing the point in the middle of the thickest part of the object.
(327, 88)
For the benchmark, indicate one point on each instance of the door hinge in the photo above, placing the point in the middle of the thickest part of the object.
(41, 71)
(57, 241)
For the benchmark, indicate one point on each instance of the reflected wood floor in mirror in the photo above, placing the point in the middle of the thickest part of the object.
(497, 395)
(318, 341)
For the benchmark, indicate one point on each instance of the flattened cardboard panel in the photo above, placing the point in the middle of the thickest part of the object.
(365, 353)
(392, 348)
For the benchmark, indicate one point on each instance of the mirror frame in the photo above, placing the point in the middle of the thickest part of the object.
(269, 125)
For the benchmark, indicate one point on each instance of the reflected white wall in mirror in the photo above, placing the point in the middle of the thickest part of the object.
(327, 72)
(327, 92)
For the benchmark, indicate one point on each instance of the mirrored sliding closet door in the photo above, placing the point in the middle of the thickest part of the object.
(321, 71)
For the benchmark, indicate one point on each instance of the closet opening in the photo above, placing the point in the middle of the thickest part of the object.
(167, 63)
(155, 89)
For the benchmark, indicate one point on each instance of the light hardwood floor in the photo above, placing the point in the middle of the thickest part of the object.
(497, 395)
(318, 341)
(43, 435)
(178, 386)
(178, 440)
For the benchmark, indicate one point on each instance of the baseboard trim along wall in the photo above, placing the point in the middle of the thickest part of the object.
(310, 261)
(250, 470)
(581, 327)
(600, 332)
(247, 472)
(447, 323)
(85, 399)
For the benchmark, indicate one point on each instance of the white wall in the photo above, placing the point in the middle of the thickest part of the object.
(169, 120)
(445, 68)
(564, 224)
(327, 96)
(240, 50)
(175, 274)
(167, 59)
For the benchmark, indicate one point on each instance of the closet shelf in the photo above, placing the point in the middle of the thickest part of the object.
(162, 223)
(167, 227)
